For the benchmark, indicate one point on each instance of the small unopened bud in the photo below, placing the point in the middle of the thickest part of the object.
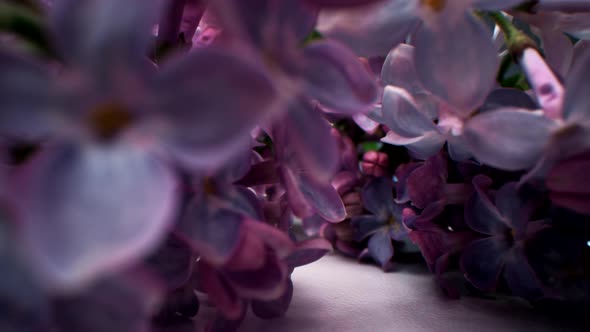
(375, 163)
(549, 91)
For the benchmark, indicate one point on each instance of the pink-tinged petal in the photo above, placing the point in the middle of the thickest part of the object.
(120, 303)
(509, 139)
(547, 88)
(191, 17)
(272, 237)
(201, 126)
(90, 210)
(213, 231)
(220, 292)
(480, 213)
(380, 247)
(482, 262)
(323, 197)
(402, 116)
(309, 137)
(399, 69)
(100, 35)
(457, 62)
(30, 104)
(520, 276)
(421, 147)
(337, 79)
(370, 30)
(274, 308)
(308, 251)
(577, 98)
(559, 51)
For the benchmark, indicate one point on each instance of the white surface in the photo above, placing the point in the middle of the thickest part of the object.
(337, 294)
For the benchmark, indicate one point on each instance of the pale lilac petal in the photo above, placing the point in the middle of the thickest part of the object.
(380, 247)
(101, 35)
(457, 62)
(368, 125)
(308, 251)
(421, 147)
(399, 69)
(509, 139)
(559, 51)
(370, 30)
(337, 79)
(402, 116)
(324, 198)
(482, 262)
(90, 210)
(298, 202)
(201, 126)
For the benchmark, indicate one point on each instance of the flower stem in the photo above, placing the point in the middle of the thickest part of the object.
(516, 40)
(24, 23)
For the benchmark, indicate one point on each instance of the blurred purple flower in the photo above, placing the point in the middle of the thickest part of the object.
(568, 183)
(506, 228)
(113, 118)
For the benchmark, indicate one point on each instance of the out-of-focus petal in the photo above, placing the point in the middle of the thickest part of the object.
(570, 175)
(266, 283)
(308, 251)
(274, 308)
(480, 213)
(323, 197)
(201, 126)
(508, 97)
(495, 4)
(577, 98)
(295, 197)
(370, 30)
(365, 226)
(547, 88)
(381, 248)
(457, 62)
(559, 51)
(102, 35)
(220, 292)
(30, 107)
(337, 79)
(340, 3)
(509, 139)
(399, 69)
(482, 262)
(91, 210)
(172, 262)
(119, 303)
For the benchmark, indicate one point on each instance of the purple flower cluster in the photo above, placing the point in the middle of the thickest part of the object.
(157, 153)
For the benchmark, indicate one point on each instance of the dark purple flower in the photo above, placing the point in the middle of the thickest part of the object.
(568, 183)
(506, 227)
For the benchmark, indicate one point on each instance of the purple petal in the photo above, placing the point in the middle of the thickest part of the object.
(365, 226)
(323, 197)
(509, 139)
(381, 248)
(220, 292)
(308, 252)
(30, 104)
(577, 202)
(308, 135)
(401, 175)
(100, 35)
(426, 184)
(480, 213)
(172, 262)
(378, 196)
(201, 126)
(267, 283)
(513, 208)
(337, 79)
(399, 69)
(213, 231)
(482, 262)
(274, 308)
(559, 51)
(457, 62)
(298, 202)
(575, 108)
(569, 175)
(521, 277)
(120, 303)
(262, 173)
(77, 228)
(401, 115)
(370, 30)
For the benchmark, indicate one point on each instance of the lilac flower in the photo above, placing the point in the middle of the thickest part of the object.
(568, 183)
(384, 224)
(506, 228)
(103, 193)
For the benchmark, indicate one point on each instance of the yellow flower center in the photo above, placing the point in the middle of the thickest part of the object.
(435, 5)
(110, 119)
